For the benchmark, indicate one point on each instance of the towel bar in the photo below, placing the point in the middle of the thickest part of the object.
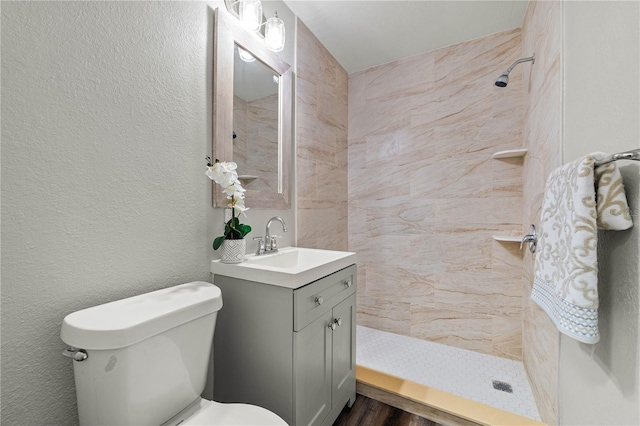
(634, 154)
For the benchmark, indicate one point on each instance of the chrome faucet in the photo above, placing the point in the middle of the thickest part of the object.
(270, 244)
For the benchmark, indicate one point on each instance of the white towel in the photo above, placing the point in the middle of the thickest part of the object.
(566, 270)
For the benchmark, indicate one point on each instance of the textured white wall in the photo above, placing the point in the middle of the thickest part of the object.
(106, 120)
(599, 385)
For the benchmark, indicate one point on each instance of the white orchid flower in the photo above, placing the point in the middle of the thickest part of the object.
(211, 173)
(227, 166)
(234, 190)
(238, 206)
(223, 173)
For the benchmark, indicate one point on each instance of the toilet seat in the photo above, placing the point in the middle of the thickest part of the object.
(211, 413)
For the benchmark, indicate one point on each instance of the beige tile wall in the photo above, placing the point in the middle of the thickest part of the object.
(425, 197)
(321, 145)
(255, 146)
(542, 34)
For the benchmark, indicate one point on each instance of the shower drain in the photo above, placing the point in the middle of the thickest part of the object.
(502, 386)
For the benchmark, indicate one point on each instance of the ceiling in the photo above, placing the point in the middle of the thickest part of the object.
(364, 33)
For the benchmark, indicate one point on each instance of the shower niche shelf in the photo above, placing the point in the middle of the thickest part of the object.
(510, 153)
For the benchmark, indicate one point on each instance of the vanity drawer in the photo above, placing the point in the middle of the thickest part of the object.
(313, 300)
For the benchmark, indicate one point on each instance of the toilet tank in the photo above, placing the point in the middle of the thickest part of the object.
(148, 355)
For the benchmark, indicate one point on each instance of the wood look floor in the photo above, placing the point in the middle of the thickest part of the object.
(369, 412)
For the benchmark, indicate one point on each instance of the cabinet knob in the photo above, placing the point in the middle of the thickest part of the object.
(337, 321)
(347, 283)
(332, 326)
(319, 300)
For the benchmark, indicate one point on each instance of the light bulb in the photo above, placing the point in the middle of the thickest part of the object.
(274, 33)
(250, 12)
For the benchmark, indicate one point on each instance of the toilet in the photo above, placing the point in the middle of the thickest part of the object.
(144, 361)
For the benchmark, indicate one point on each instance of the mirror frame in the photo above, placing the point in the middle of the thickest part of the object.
(229, 32)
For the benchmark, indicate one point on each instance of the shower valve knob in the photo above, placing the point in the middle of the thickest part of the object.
(531, 238)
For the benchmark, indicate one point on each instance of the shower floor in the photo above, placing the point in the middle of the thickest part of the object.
(457, 371)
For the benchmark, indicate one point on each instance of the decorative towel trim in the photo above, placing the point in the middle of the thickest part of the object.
(577, 200)
(574, 321)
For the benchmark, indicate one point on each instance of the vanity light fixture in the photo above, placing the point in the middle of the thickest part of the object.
(274, 33)
(249, 12)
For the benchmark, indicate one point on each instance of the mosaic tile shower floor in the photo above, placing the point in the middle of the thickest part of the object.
(458, 371)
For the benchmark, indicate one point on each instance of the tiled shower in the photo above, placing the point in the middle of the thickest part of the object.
(411, 150)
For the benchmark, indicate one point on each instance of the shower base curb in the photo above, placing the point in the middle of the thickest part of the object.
(430, 403)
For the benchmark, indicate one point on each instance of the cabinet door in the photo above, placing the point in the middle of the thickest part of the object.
(344, 347)
(312, 392)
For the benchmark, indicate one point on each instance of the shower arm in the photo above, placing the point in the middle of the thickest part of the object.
(519, 61)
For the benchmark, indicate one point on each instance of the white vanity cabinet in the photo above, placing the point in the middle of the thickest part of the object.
(290, 350)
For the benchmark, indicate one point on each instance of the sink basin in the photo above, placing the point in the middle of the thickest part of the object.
(291, 267)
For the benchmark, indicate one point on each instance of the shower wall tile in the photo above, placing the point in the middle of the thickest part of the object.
(321, 223)
(505, 263)
(460, 254)
(393, 147)
(442, 106)
(306, 183)
(322, 152)
(460, 328)
(451, 178)
(463, 290)
(475, 59)
(476, 214)
(383, 314)
(542, 135)
(327, 175)
(401, 217)
(409, 76)
(506, 334)
(507, 177)
(415, 283)
(425, 197)
(379, 117)
(342, 154)
(357, 154)
(379, 184)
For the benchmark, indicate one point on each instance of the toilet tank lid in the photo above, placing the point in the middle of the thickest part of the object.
(128, 321)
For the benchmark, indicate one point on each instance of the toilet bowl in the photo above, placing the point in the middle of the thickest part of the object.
(144, 361)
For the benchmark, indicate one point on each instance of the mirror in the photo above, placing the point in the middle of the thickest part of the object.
(255, 122)
(251, 114)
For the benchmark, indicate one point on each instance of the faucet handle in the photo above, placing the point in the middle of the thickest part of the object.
(274, 244)
(261, 247)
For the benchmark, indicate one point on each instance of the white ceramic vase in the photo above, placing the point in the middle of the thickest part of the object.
(233, 251)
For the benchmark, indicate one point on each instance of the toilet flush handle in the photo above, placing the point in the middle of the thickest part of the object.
(75, 354)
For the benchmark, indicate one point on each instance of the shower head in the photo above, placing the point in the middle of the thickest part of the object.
(503, 80)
